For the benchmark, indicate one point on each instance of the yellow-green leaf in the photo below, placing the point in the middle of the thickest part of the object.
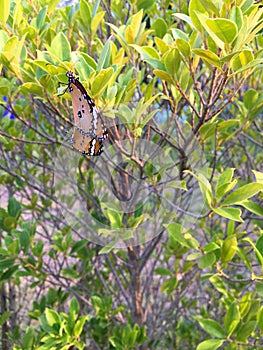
(243, 193)
(260, 318)
(100, 82)
(172, 61)
(96, 21)
(60, 47)
(211, 344)
(4, 10)
(129, 35)
(229, 249)
(208, 56)
(136, 23)
(229, 213)
(258, 176)
(183, 47)
(242, 60)
(224, 29)
(163, 76)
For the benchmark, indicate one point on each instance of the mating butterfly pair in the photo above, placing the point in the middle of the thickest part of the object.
(89, 131)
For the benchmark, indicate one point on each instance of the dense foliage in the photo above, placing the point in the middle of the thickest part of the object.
(157, 243)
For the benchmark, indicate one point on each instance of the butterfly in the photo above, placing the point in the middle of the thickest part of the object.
(89, 130)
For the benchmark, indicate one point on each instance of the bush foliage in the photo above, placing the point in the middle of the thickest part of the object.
(181, 78)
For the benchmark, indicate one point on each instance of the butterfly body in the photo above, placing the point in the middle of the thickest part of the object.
(89, 131)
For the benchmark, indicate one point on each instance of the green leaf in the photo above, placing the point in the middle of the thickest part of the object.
(259, 288)
(211, 344)
(163, 76)
(205, 187)
(89, 60)
(9, 223)
(85, 13)
(258, 175)
(40, 20)
(128, 337)
(79, 326)
(212, 7)
(218, 283)
(60, 47)
(4, 10)
(5, 263)
(196, 7)
(169, 285)
(17, 14)
(203, 18)
(97, 302)
(229, 213)
(256, 63)
(208, 56)
(104, 59)
(260, 318)
(229, 249)
(9, 273)
(32, 88)
(259, 245)
(210, 247)
(184, 48)
(160, 27)
(185, 18)
(244, 58)
(224, 189)
(101, 81)
(236, 16)
(211, 327)
(74, 308)
(96, 20)
(175, 234)
(172, 61)
(28, 339)
(224, 29)
(115, 217)
(232, 318)
(108, 248)
(3, 40)
(250, 98)
(135, 23)
(14, 208)
(225, 177)
(4, 317)
(146, 51)
(52, 317)
(179, 34)
(207, 260)
(163, 271)
(243, 193)
(145, 4)
(253, 207)
(246, 331)
(69, 273)
(161, 45)
(24, 239)
(258, 254)
(245, 304)
(155, 63)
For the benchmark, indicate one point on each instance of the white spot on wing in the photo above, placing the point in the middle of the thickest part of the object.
(92, 148)
(95, 119)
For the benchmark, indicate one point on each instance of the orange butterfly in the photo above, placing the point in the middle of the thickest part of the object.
(89, 131)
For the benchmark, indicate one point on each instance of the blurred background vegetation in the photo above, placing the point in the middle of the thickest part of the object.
(195, 66)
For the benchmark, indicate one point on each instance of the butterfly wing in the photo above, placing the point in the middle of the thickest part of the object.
(89, 131)
(86, 144)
